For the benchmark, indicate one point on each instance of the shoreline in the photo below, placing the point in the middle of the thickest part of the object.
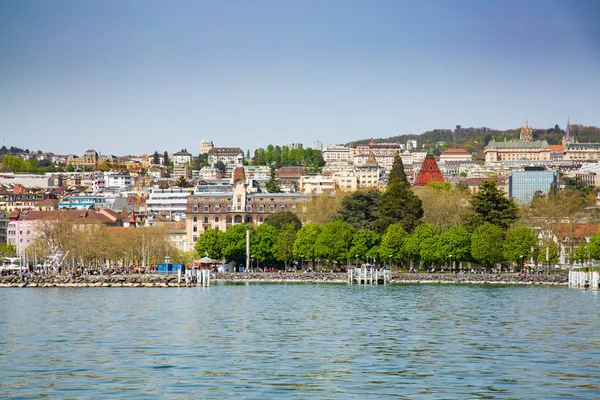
(155, 280)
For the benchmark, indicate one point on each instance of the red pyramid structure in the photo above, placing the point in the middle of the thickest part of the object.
(430, 172)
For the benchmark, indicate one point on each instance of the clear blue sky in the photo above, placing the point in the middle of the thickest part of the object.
(129, 77)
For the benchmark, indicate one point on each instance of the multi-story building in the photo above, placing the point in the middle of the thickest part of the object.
(451, 155)
(227, 155)
(181, 158)
(3, 226)
(173, 200)
(316, 184)
(337, 154)
(206, 146)
(582, 152)
(89, 160)
(317, 146)
(384, 154)
(21, 198)
(222, 209)
(525, 148)
(117, 180)
(587, 174)
(523, 185)
(293, 146)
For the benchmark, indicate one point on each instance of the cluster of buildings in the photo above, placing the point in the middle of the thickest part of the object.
(137, 191)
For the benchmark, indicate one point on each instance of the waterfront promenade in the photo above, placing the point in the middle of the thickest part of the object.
(154, 280)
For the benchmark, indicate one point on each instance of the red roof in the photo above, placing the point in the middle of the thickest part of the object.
(461, 152)
(430, 172)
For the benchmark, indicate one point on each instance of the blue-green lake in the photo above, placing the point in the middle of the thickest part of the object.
(258, 341)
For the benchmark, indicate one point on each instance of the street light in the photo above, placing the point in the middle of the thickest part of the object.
(357, 261)
(451, 266)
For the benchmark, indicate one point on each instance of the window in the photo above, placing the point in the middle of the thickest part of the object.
(195, 229)
(206, 208)
(271, 208)
(195, 238)
(206, 220)
(249, 208)
(195, 219)
(195, 209)
(228, 208)
(261, 208)
(282, 207)
(261, 219)
(217, 208)
(216, 219)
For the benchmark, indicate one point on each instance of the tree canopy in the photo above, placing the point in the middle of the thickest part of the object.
(360, 209)
(489, 204)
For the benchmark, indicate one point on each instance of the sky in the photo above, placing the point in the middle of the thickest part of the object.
(135, 76)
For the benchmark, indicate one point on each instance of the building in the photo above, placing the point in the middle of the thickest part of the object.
(523, 185)
(337, 154)
(3, 226)
(587, 174)
(293, 146)
(411, 144)
(89, 160)
(206, 146)
(525, 148)
(222, 209)
(227, 155)
(117, 180)
(473, 183)
(383, 152)
(582, 152)
(317, 146)
(184, 171)
(172, 200)
(316, 184)
(455, 155)
(429, 172)
(182, 158)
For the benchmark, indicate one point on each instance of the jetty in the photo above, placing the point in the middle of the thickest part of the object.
(584, 279)
(368, 275)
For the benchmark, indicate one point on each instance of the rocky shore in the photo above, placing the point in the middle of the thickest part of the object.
(151, 280)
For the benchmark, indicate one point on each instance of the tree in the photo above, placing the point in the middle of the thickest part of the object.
(455, 244)
(398, 203)
(486, 244)
(414, 243)
(284, 246)
(552, 251)
(166, 160)
(233, 243)
(155, 158)
(8, 250)
(392, 243)
(360, 209)
(322, 208)
(281, 219)
(271, 185)
(520, 244)
(262, 243)
(593, 247)
(489, 204)
(306, 239)
(182, 182)
(431, 253)
(581, 253)
(209, 243)
(363, 241)
(334, 241)
(442, 205)
(220, 167)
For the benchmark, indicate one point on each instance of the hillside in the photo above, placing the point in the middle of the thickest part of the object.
(475, 139)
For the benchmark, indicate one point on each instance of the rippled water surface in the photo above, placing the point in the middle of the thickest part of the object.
(301, 340)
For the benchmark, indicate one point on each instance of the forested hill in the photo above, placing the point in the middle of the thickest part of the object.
(474, 139)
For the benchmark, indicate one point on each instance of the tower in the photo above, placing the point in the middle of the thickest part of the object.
(526, 133)
(567, 139)
(430, 172)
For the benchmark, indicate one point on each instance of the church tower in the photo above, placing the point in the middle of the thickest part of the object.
(567, 139)
(430, 172)
(526, 133)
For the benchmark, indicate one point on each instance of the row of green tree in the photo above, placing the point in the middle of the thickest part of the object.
(32, 166)
(285, 156)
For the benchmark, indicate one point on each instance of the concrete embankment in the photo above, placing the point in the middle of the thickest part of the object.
(151, 280)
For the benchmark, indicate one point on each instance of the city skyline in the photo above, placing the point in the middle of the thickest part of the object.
(134, 77)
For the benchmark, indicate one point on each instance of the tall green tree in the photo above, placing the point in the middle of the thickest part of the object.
(414, 243)
(490, 204)
(306, 239)
(363, 242)
(272, 186)
(455, 245)
(155, 158)
(520, 244)
(392, 243)
(284, 246)
(209, 243)
(262, 243)
(166, 160)
(182, 182)
(334, 241)
(487, 244)
(360, 209)
(398, 203)
(593, 247)
(233, 243)
(281, 219)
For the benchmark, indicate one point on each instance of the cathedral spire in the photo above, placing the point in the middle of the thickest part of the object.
(567, 139)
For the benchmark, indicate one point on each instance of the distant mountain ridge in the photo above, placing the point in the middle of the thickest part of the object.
(475, 139)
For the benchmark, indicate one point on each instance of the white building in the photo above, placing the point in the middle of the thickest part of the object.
(173, 199)
(411, 144)
(455, 155)
(182, 158)
(117, 180)
(316, 184)
(227, 155)
(317, 146)
(337, 153)
(293, 146)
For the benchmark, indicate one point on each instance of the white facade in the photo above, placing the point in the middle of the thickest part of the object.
(206, 146)
(181, 158)
(317, 146)
(411, 144)
(116, 180)
(337, 154)
(173, 199)
(316, 184)
(227, 155)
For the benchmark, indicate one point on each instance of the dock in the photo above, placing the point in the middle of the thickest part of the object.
(199, 277)
(584, 279)
(369, 276)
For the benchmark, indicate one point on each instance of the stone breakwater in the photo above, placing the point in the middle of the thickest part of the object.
(151, 280)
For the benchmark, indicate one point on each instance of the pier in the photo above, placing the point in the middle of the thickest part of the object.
(199, 277)
(584, 279)
(369, 276)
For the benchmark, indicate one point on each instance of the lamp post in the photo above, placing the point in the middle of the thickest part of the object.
(451, 266)
(521, 262)
(357, 261)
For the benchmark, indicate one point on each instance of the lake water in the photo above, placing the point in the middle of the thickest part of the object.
(260, 341)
